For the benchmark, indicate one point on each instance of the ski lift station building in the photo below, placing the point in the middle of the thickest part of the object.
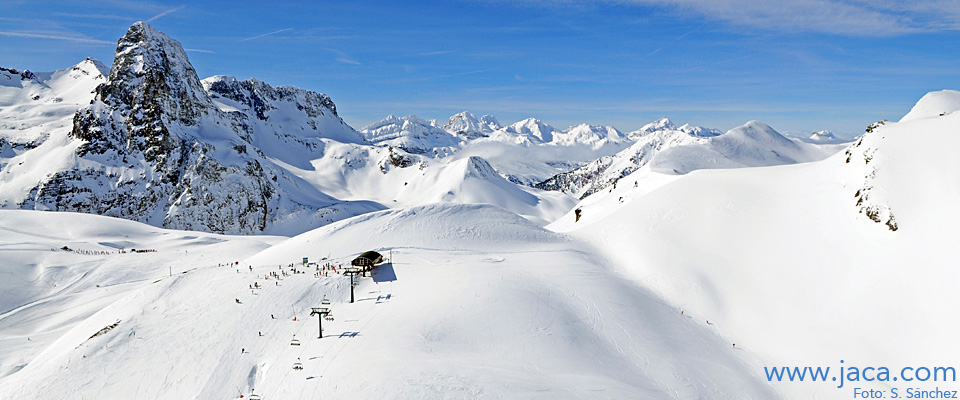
(367, 260)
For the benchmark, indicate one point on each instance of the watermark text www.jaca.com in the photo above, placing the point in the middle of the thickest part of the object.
(899, 383)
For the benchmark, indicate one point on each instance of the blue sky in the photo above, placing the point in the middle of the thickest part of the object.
(797, 65)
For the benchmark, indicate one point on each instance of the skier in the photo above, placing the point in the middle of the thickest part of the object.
(271, 316)
(238, 301)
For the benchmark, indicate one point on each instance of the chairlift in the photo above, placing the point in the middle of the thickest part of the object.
(294, 341)
(325, 302)
(298, 366)
(254, 397)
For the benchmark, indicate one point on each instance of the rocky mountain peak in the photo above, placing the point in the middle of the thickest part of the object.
(152, 76)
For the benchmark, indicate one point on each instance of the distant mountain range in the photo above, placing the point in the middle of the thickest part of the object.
(147, 140)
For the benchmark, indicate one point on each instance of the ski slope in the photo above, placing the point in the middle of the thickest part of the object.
(484, 304)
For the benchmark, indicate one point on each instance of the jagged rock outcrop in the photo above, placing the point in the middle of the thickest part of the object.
(155, 147)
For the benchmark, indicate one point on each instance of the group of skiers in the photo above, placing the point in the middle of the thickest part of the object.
(282, 273)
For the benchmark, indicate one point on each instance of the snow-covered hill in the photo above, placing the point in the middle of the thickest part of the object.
(477, 302)
(807, 264)
(934, 104)
(393, 178)
(61, 269)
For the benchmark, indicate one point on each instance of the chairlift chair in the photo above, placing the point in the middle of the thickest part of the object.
(298, 366)
(294, 342)
(254, 397)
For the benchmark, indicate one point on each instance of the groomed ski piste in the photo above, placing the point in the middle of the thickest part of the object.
(477, 302)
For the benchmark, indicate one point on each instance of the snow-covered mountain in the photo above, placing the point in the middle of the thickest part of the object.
(153, 143)
(766, 255)
(412, 134)
(665, 124)
(287, 112)
(525, 152)
(33, 104)
(153, 146)
(823, 136)
(468, 127)
(667, 149)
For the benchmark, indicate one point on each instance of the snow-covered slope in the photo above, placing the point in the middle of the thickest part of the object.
(477, 302)
(393, 178)
(934, 104)
(45, 291)
(807, 264)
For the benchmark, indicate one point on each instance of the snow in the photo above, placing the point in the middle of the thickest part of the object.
(823, 136)
(787, 262)
(466, 125)
(685, 242)
(485, 304)
(934, 104)
(412, 134)
(393, 179)
(31, 108)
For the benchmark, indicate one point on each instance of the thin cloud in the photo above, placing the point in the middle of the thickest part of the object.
(343, 57)
(266, 34)
(871, 18)
(96, 16)
(348, 61)
(479, 71)
(199, 51)
(435, 53)
(54, 37)
(721, 62)
(165, 13)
